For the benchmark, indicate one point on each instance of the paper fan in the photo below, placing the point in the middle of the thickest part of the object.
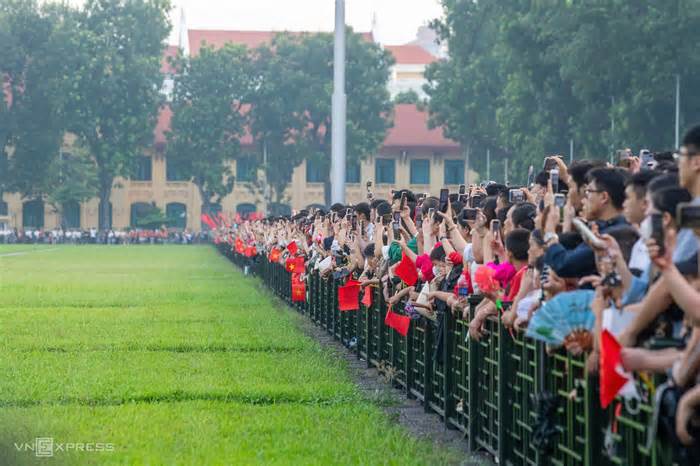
(485, 279)
(561, 316)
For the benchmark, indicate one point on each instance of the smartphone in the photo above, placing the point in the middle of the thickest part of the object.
(623, 158)
(462, 189)
(403, 201)
(588, 235)
(516, 196)
(647, 159)
(470, 214)
(431, 212)
(657, 232)
(397, 223)
(444, 199)
(560, 200)
(348, 212)
(354, 222)
(386, 219)
(551, 162)
(554, 176)
(530, 176)
(495, 227)
(688, 216)
(475, 200)
(370, 196)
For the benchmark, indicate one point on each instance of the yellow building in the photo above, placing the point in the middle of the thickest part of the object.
(412, 156)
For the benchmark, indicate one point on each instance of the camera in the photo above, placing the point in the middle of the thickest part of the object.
(688, 216)
(516, 196)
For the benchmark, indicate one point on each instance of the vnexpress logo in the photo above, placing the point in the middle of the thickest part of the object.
(46, 447)
(43, 447)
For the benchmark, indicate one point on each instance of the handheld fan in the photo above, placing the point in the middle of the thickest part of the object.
(561, 316)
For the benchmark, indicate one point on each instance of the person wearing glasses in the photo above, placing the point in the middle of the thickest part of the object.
(603, 200)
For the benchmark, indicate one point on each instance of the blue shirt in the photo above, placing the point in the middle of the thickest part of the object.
(580, 261)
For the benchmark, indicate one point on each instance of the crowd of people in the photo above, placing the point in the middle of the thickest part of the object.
(95, 236)
(583, 255)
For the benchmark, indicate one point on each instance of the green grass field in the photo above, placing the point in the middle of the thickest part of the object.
(173, 357)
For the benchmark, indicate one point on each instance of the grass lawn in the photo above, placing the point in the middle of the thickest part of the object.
(171, 356)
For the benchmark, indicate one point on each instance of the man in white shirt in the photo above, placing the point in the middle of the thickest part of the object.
(634, 207)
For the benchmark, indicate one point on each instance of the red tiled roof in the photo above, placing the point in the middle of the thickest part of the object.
(410, 54)
(411, 130)
(170, 51)
(251, 39)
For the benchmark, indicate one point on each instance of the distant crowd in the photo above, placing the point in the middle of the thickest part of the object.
(95, 236)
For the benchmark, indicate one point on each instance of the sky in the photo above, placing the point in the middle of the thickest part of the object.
(398, 20)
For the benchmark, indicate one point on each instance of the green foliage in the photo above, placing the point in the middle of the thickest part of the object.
(308, 60)
(71, 178)
(525, 78)
(209, 106)
(31, 123)
(409, 97)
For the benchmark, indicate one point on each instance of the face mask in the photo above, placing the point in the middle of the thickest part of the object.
(645, 228)
(436, 271)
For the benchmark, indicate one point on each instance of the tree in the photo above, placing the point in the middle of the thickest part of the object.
(369, 107)
(209, 114)
(273, 116)
(31, 123)
(407, 97)
(114, 62)
(525, 78)
(71, 178)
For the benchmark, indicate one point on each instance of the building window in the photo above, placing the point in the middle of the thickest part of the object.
(420, 171)
(454, 172)
(173, 172)
(101, 209)
(314, 172)
(71, 214)
(385, 171)
(140, 211)
(143, 170)
(33, 214)
(3, 208)
(279, 210)
(177, 215)
(352, 172)
(246, 169)
(245, 209)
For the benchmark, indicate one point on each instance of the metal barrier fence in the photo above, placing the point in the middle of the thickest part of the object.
(505, 393)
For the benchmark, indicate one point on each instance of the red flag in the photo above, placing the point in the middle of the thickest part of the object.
(292, 248)
(250, 251)
(208, 221)
(611, 381)
(397, 322)
(349, 296)
(367, 297)
(299, 264)
(406, 271)
(239, 246)
(290, 264)
(274, 255)
(298, 289)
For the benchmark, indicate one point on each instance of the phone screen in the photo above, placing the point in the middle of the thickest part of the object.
(554, 176)
(403, 201)
(495, 226)
(470, 214)
(657, 232)
(462, 189)
(444, 199)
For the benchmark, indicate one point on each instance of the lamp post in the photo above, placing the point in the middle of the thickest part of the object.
(339, 107)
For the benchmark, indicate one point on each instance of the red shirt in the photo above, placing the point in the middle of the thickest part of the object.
(515, 284)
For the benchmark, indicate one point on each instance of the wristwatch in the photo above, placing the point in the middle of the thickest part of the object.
(548, 237)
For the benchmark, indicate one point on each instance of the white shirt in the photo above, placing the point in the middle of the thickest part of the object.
(639, 259)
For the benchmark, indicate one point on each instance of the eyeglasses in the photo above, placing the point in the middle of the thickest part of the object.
(588, 191)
